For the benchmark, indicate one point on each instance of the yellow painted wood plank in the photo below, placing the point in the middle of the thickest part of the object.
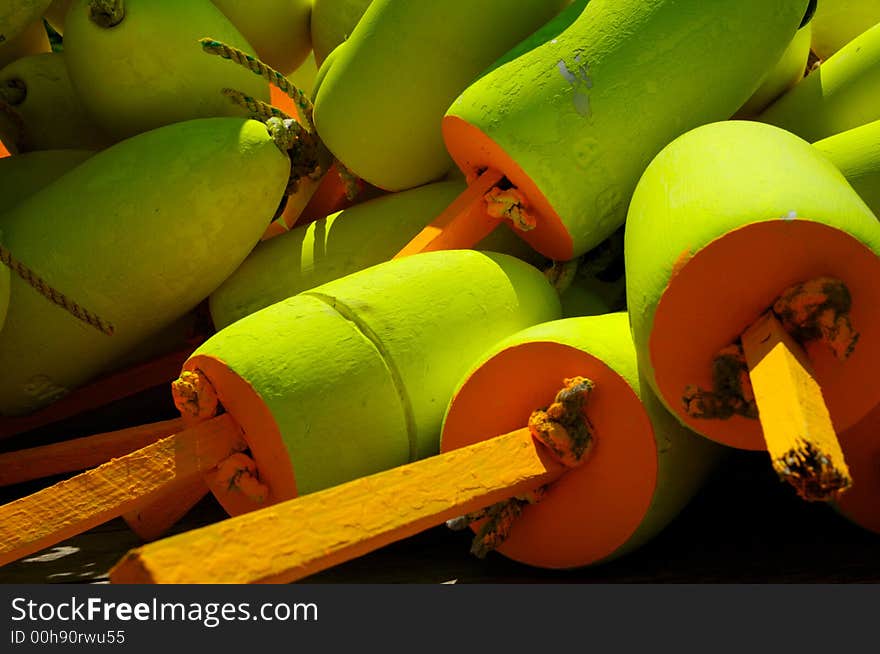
(797, 427)
(53, 514)
(80, 453)
(152, 520)
(300, 537)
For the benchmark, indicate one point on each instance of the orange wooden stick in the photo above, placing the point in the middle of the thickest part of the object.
(73, 506)
(113, 387)
(279, 99)
(80, 453)
(165, 509)
(297, 538)
(295, 205)
(463, 224)
(330, 197)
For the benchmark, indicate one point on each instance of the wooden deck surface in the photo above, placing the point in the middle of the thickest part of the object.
(745, 526)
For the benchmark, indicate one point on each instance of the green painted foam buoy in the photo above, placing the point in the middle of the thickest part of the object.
(322, 73)
(39, 89)
(837, 22)
(305, 76)
(856, 153)
(56, 13)
(143, 67)
(787, 72)
(33, 40)
(556, 122)
(278, 29)
(351, 240)
(158, 222)
(641, 470)
(333, 21)
(17, 15)
(352, 377)
(589, 296)
(4, 291)
(23, 175)
(379, 106)
(841, 94)
(724, 221)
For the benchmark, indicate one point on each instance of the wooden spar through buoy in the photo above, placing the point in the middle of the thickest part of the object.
(797, 426)
(767, 375)
(612, 469)
(511, 464)
(80, 453)
(153, 519)
(435, 490)
(339, 189)
(334, 191)
(149, 521)
(463, 224)
(293, 449)
(71, 507)
(755, 312)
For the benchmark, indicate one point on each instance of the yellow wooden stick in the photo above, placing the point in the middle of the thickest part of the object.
(80, 453)
(76, 505)
(153, 519)
(297, 538)
(462, 224)
(797, 426)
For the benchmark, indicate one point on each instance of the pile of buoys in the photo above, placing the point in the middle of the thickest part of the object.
(526, 268)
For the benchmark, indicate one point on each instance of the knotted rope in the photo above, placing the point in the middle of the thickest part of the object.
(302, 147)
(195, 396)
(309, 156)
(816, 310)
(566, 431)
(352, 183)
(239, 473)
(561, 274)
(511, 204)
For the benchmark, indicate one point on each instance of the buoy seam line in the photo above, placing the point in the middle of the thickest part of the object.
(396, 378)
